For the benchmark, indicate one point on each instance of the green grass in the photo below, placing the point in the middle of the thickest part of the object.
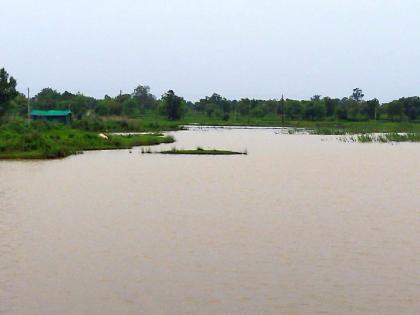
(145, 123)
(382, 138)
(200, 151)
(47, 141)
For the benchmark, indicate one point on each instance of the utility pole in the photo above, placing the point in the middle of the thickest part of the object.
(29, 109)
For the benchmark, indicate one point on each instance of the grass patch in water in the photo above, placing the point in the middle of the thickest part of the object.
(382, 138)
(201, 151)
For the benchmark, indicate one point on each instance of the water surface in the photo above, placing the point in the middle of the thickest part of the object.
(301, 225)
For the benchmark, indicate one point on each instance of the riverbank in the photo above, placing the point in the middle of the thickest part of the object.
(41, 140)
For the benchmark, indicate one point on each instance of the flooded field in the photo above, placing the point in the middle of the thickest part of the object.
(301, 225)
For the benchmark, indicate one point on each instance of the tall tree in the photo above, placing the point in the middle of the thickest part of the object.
(145, 99)
(395, 110)
(173, 105)
(357, 95)
(7, 90)
(316, 98)
(47, 98)
(331, 105)
(372, 108)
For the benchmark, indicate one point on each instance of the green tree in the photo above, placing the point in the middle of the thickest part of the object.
(371, 108)
(259, 110)
(109, 106)
(316, 98)
(173, 106)
(294, 109)
(341, 110)
(130, 107)
(19, 105)
(244, 106)
(122, 98)
(46, 99)
(78, 103)
(357, 95)
(395, 110)
(7, 91)
(271, 106)
(315, 110)
(353, 109)
(144, 98)
(331, 105)
(411, 107)
(215, 105)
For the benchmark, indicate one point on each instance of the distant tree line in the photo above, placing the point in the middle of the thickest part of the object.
(141, 102)
(353, 108)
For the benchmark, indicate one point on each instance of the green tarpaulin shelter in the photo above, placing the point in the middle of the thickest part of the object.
(63, 116)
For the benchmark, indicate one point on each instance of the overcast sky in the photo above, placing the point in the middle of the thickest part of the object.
(237, 48)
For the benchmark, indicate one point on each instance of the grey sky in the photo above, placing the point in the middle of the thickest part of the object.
(238, 48)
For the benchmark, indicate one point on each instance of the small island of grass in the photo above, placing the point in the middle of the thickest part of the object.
(201, 151)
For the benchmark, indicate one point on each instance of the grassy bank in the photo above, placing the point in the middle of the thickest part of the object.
(43, 140)
(200, 151)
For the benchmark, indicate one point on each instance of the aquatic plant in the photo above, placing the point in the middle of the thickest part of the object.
(201, 151)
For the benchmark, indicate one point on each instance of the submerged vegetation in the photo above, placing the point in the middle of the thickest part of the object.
(42, 140)
(382, 138)
(201, 151)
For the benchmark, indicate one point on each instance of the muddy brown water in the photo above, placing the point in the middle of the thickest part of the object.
(301, 225)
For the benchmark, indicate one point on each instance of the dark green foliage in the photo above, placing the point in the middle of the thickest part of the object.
(131, 107)
(7, 91)
(173, 106)
(357, 95)
(144, 99)
(294, 109)
(315, 110)
(331, 106)
(371, 109)
(406, 107)
(215, 105)
(353, 110)
(395, 110)
(47, 99)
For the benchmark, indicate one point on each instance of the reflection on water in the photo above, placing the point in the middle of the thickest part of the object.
(299, 226)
